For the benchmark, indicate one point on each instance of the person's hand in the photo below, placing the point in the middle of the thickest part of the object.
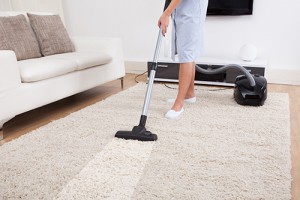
(163, 22)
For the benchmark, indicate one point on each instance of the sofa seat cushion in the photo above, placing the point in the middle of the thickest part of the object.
(32, 70)
(84, 60)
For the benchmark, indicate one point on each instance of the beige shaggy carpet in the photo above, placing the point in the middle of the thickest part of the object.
(216, 150)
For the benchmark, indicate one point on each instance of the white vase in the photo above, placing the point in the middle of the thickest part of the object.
(248, 52)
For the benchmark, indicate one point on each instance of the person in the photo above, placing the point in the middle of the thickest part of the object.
(188, 18)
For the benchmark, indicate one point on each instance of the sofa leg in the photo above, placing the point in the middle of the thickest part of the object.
(2, 122)
(1, 134)
(122, 82)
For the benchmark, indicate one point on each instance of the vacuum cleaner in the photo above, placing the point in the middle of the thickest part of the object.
(140, 132)
(249, 90)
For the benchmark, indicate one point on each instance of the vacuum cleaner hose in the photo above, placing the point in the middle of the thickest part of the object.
(167, 3)
(224, 68)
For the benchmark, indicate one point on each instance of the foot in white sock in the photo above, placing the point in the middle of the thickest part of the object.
(189, 100)
(172, 114)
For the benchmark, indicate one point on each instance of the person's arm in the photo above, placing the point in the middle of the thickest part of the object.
(164, 18)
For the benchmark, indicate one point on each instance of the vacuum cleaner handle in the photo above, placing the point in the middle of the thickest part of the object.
(167, 3)
(139, 132)
(152, 73)
(158, 45)
(159, 38)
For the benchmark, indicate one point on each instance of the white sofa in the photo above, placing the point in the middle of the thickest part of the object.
(32, 83)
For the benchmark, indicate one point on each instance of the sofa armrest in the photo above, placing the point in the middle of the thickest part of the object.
(9, 71)
(112, 46)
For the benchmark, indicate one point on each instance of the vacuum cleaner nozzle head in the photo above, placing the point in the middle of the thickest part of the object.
(138, 133)
(244, 94)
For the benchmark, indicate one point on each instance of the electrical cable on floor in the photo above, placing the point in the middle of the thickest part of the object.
(211, 90)
(175, 88)
(135, 79)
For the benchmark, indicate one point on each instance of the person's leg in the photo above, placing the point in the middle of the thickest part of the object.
(191, 91)
(186, 74)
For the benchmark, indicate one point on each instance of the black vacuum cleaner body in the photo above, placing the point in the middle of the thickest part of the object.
(245, 94)
(249, 89)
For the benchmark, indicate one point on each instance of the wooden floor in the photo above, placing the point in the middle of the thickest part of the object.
(34, 119)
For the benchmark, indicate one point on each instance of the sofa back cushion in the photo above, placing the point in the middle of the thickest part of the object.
(51, 34)
(17, 35)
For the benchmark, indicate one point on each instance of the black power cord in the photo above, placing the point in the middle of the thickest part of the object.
(175, 88)
(211, 90)
(135, 78)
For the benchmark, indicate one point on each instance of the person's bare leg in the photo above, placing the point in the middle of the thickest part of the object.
(191, 91)
(186, 71)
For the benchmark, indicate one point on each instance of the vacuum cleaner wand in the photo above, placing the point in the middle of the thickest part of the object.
(139, 132)
(152, 73)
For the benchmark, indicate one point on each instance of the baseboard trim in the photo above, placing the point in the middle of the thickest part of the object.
(286, 77)
(135, 67)
(276, 76)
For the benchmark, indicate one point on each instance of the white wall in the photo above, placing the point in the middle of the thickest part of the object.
(53, 6)
(132, 20)
(274, 28)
